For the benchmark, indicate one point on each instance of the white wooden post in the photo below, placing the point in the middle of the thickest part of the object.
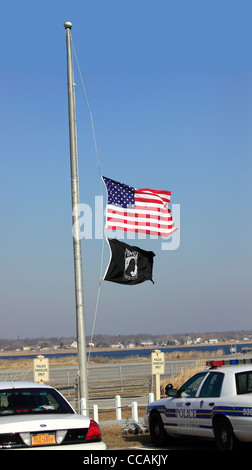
(83, 404)
(134, 412)
(95, 413)
(118, 408)
(151, 397)
(157, 386)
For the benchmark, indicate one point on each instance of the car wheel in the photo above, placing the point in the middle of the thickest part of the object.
(157, 431)
(224, 435)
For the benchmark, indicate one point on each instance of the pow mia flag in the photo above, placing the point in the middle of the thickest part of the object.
(128, 264)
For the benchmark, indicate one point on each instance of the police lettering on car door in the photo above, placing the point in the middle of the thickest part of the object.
(185, 413)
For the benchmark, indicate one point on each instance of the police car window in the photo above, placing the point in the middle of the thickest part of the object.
(212, 385)
(32, 401)
(189, 389)
(244, 382)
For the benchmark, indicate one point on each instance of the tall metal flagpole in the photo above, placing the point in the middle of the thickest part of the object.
(79, 296)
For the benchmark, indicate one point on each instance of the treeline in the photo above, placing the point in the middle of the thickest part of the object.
(170, 339)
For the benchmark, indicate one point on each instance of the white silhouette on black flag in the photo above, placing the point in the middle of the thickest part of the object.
(128, 264)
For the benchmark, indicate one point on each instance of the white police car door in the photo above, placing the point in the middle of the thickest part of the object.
(187, 403)
(207, 397)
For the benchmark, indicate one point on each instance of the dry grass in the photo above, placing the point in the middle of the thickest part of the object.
(71, 360)
(28, 363)
(193, 354)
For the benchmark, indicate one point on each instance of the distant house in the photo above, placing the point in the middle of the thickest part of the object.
(198, 340)
(74, 344)
(147, 343)
(213, 341)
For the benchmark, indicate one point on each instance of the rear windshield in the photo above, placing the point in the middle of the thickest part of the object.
(244, 382)
(32, 401)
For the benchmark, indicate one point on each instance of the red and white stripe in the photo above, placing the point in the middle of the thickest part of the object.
(149, 215)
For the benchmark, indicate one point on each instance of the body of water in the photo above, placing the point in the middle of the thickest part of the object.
(125, 353)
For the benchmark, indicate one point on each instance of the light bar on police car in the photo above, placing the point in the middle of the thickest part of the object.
(228, 362)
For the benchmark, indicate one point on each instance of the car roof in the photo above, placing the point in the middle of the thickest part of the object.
(13, 384)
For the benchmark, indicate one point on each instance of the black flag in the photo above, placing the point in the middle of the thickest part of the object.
(128, 264)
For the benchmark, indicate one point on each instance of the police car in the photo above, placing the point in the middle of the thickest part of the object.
(34, 416)
(215, 403)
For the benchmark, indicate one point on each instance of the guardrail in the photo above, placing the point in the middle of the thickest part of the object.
(130, 387)
(118, 410)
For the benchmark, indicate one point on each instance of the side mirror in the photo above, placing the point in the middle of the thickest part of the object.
(170, 391)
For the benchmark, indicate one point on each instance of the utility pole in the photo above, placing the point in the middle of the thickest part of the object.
(79, 295)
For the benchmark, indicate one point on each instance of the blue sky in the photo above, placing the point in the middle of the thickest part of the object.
(170, 88)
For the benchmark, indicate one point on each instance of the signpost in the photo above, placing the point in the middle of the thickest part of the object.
(41, 369)
(157, 369)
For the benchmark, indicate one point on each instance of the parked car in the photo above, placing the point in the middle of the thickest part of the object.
(215, 403)
(34, 416)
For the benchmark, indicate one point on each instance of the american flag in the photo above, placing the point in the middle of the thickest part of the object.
(138, 210)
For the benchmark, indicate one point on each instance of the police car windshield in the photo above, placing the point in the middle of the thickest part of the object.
(243, 382)
(32, 401)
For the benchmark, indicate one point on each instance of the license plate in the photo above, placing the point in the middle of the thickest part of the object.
(43, 439)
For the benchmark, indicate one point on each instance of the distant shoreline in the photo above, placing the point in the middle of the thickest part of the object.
(73, 351)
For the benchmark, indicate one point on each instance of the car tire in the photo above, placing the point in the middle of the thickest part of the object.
(224, 435)
(157, 431)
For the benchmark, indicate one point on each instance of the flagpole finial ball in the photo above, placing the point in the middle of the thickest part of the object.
(68, 24)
